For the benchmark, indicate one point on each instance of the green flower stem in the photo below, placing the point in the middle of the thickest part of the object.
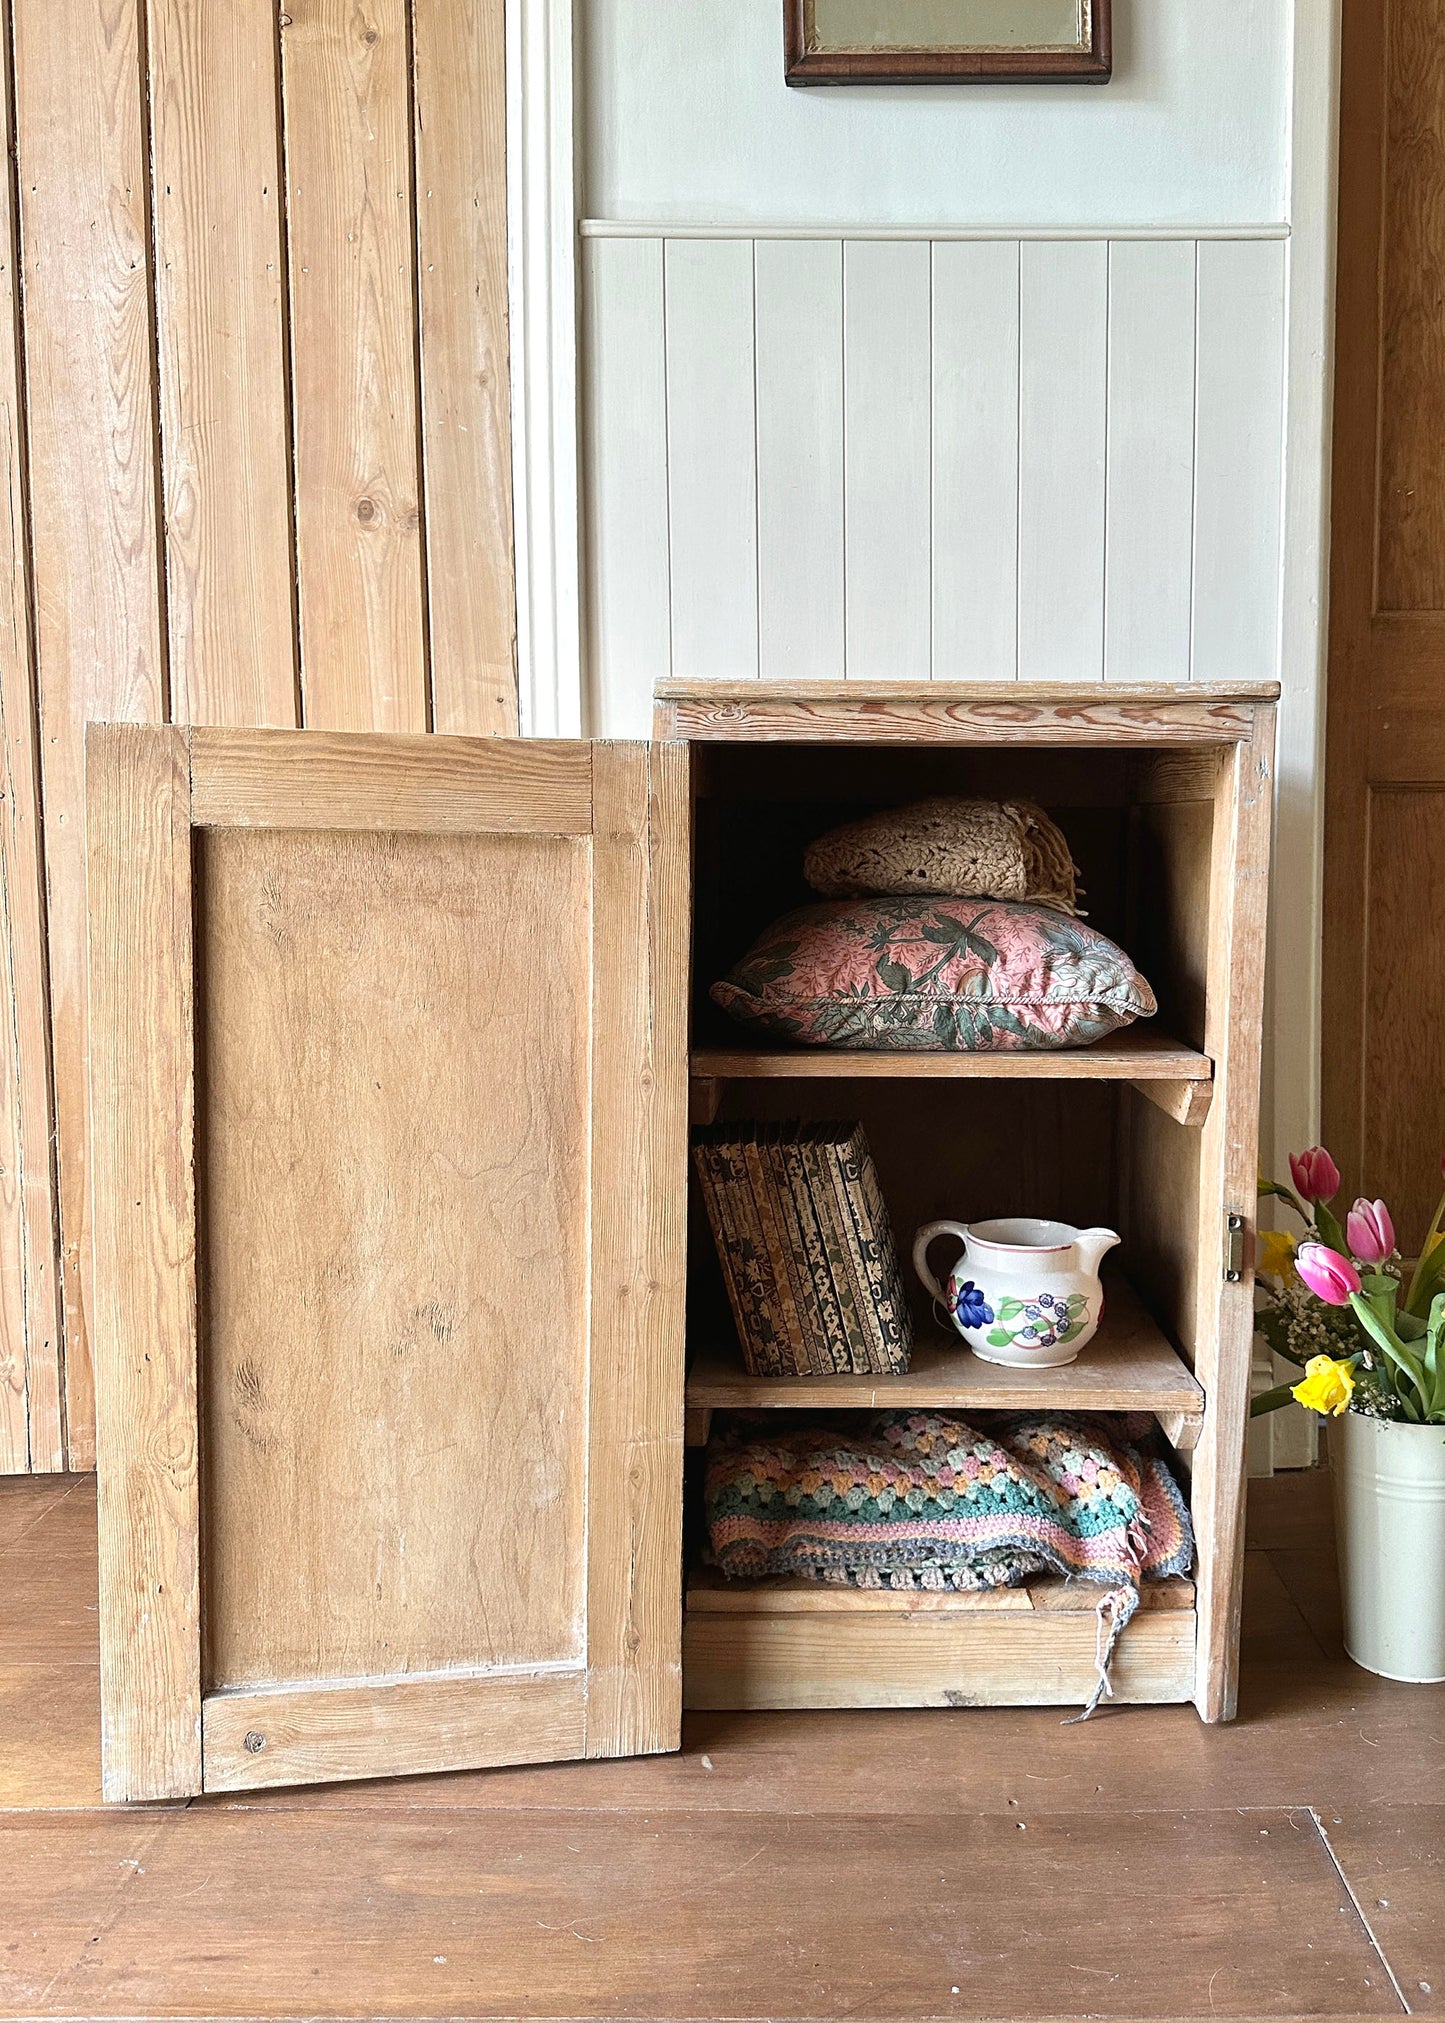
(1271, 1401)
(1432, 1261)
(1394, 1354)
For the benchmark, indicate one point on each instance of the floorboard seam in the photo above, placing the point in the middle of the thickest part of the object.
(1360, 1910)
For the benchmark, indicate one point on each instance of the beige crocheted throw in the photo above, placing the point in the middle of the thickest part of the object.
(965, 849)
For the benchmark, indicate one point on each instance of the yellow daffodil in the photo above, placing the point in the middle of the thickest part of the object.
(1327, 1386)
(1276, 1253)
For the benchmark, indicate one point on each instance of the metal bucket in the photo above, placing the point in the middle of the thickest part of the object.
(1389, 1483)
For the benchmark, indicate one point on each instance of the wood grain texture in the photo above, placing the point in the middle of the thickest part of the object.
(393, 1138)
(143, 1112)
(1405, 1112)
(92, 460)
(1053, 713)
(219, 285)
(348, 135)
(1228, 1179)
(1385, 688)
(1138, 1051)
(391, 1728)
(1411, 531)
(325, 780)
(639, 1220)
(968, 1658)
(1128, 1367)
(31, 1415)
(710, 1592)
(466, 433)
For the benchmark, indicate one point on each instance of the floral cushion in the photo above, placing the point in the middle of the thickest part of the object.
(934, 976)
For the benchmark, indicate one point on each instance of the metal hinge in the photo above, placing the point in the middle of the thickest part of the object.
(1233, 1247)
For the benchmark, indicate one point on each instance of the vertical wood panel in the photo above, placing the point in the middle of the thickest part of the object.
(219, 282)
(888, 421)
(92, 428)
(800, 458)
(353, 325)
(625, 414)
(639, 1193)
(461, 200)
(1149, 544)
(711, 461)
(1404, 1117)
(1063, 313)
(975, 460)
(1239, 426)
(31, 1421)
(143, 1061)
(1412, 335)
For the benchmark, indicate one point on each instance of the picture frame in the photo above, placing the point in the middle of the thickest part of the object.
(908, 42)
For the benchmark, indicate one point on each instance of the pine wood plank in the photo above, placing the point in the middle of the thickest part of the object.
(92, 461)
(964, 1658)
(393, 1134)
(219, 283)
(350, 218)
(1043, 713)
(690, 1913)
(710, 1593)
(1138, 1053)
(319, 779)
(31, 1419)
(460, 130)
(142, 1082)
(1128, 1367)
(1228, 1176)
(639, 1215)
(391, 1727)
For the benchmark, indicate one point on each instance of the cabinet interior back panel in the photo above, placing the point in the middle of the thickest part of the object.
(1001, 458)
(385, 1243)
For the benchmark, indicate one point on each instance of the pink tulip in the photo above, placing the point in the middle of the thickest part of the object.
(1370, 1231)
(1326, 1273)
(1316, 1176)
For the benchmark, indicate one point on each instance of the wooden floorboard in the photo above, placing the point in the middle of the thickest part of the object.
(909, 1865)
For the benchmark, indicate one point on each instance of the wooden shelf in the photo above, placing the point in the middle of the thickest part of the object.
(1176, 1077)
(710, 1593)
(785, 1644)
(1128, 1367)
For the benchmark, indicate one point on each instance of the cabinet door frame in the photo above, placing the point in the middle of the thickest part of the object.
(149, 789)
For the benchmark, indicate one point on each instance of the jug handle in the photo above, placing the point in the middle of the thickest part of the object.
(921, 1242)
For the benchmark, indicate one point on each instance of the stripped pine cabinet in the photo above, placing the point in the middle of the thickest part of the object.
(399, 1343)
(389, 1122)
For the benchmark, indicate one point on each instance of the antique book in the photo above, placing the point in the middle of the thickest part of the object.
(806, 1248)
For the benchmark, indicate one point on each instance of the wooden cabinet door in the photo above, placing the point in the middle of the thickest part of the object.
(388, 1093)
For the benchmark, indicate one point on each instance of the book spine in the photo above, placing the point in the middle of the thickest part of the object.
(742, 1252)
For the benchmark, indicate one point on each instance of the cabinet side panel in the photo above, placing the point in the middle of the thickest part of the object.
(393, 1153)
(142, 1118)
(639, 1209)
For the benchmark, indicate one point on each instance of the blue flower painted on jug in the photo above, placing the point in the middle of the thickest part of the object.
(972, 1308)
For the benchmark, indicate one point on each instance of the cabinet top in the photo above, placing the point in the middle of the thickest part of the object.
(974, 712)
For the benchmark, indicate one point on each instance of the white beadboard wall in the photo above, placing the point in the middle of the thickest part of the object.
(930, 455)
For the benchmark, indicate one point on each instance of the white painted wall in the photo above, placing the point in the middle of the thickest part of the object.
(1221, 117)
(687, 117)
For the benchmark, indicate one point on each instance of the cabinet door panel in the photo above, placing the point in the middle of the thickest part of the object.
(412, 1454)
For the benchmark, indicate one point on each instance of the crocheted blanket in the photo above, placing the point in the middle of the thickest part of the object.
(921, 1499)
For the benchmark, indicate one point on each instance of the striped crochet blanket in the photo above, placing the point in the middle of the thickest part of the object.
(921, 1499)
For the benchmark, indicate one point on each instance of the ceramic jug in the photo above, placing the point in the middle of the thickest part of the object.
(1023, 1292)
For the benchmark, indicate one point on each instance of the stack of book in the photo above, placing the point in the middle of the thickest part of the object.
(807, 1251)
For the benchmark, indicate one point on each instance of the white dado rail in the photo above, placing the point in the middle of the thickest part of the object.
(1029, 455)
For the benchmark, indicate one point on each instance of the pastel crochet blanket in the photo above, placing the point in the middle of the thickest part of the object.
(922, 1499)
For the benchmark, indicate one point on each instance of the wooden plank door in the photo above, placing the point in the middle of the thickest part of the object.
(1384, 950)
(388, 1091)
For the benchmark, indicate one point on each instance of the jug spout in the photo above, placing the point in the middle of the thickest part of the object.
(1092, 1244)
